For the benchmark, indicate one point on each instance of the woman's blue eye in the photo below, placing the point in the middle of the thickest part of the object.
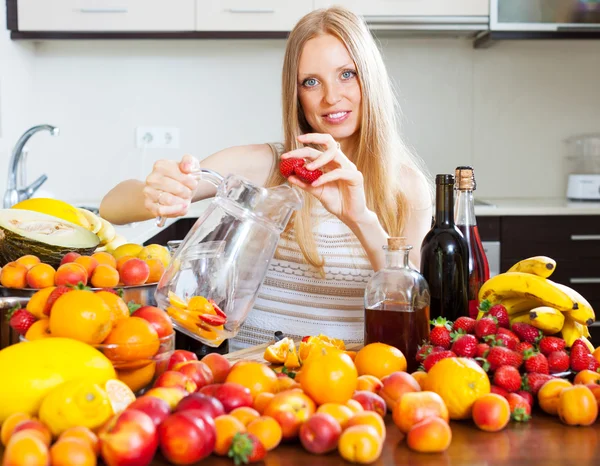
(348, 74)
(310, 82)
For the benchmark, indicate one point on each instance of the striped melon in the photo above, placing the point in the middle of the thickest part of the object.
(49, 238)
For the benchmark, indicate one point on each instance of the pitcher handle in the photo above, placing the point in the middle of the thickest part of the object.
(201, 174)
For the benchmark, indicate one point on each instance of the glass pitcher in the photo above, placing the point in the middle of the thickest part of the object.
(215, 274)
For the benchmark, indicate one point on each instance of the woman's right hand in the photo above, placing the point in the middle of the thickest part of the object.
(170, 187)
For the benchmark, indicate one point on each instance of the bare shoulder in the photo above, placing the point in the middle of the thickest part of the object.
(417, 187)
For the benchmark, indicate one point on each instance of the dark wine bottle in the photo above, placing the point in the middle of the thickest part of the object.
(445, 257)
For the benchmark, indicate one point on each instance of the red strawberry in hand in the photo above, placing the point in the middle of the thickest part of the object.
(289, 167)
(246, 448)
(20, 320)
(440, 333)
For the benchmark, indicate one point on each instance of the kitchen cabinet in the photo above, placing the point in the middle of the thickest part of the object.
(106, 15)
(250, 15)
(373, 8)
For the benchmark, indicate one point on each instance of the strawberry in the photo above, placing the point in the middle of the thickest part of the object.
(501, 339)
(580, 342)
(308, 175)
(499, 356)
(482, 348)
(511, 336)
(508, 378)
(435, 357)
(217, 309)
(498, 311)
(520, 410)
(20, 320)
(485, 326)
(246, 448)
(580, 357)
(305, 339)
(210, 319)
(550, 344)
(523, 346)
(558, 361)
(440, 333)
(56, 293)
(296, 167)
(498, 391)
(527, 396)
(465, 346)
(466, 324)
(422, 352)
(594, 364)
(535, 362)
(532, 382)
(526, 332)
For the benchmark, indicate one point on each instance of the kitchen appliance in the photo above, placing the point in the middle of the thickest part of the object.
(214, 276)
(583, 167)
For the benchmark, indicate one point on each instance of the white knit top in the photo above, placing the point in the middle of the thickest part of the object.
(297, 300)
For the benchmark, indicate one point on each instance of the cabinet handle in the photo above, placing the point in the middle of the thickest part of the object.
(584, 280)
(585, 237)
(425, 20)
(251, 10)
(103, 10)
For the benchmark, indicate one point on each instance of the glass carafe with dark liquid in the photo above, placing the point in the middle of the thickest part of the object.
(397, 304)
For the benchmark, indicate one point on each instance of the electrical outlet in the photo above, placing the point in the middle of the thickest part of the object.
(156, 137)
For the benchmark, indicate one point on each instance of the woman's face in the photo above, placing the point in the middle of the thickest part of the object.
(328, 88)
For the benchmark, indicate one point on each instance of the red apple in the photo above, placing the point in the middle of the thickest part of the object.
(187, 437)
(320, 433)
(175, 379)
(200, 402)
(232, 395)
(180, 356)
(196, 371)
(157, 409)
(370, 401)
(290, 409)
(219, 366)
(128, 438)
(69, 257)
(157, 318)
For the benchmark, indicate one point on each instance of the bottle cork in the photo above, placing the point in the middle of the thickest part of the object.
(396, 242)
(465, 178)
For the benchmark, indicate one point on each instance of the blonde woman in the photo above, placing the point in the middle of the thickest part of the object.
(339, 115)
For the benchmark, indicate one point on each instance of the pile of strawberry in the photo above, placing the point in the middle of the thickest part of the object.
(519, 359)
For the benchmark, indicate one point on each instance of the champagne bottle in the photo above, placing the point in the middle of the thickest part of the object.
(464, 213)
(445, 257)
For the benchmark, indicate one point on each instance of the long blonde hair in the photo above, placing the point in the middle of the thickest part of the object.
(380, 153)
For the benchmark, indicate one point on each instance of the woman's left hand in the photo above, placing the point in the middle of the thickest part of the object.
(340, 189)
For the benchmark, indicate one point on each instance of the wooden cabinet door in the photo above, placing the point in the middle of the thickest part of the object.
(412, 7)
(250, 15)
(106, 15)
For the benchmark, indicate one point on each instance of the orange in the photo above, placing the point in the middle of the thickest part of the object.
(329, 376)
(285, 383)
(176, 301)
(136, 379)
(72, 451)
(277, 352)
(9, 425)
(81, 315)
(105, 258)
(200, 305)
(226, 426)
(85, 434)
(131, 339)
(341, 413)
(291, 359)
(29, 261)
(245, 414)
(39, 329)
(262, 400)
(119, 394)
(117, 306)
(459, 381)
(379, 360)
(37, 302)
(127, 250)
(255, 376)
(105, 276)
(267, 430)
(26, 447)
(308, 346)
(156, 270)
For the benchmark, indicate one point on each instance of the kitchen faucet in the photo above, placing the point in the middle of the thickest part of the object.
(14, 193)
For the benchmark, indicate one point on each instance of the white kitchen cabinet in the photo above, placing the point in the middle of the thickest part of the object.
(106, 15)
(250, 15)
(418, 8)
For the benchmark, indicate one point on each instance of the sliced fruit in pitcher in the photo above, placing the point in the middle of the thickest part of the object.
(176, 301)
(212, 320)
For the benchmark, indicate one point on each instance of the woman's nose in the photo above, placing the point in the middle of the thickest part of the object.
(332, 94)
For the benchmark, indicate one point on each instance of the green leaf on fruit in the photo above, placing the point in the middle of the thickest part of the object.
(133, 306)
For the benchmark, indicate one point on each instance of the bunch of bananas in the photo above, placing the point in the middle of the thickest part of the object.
(530, 296)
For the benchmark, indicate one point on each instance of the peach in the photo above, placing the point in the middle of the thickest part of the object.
(262, 400)
(577, 406)
(595, 388)
(24, 448)
(585, 377)
(290, 409)
(414, 407)
(267, 430)
(370, 401)
(122, 260)
(232, 395)
(88, 263)
(134, 272)
(354, 406)
(157, 269)
(9, 424)
(72, 451)
(158, 318)
(29, 261)
(245, 414)
(33, 425)
(431, 435)
(172, 395)
(491, 412)
(69, 257)
(549, 394)
(200, 402)
(226, 427)
(128, 438)
(13, 275)
(158, 410)
(105, 258)
(360, 444)
(369, 383)
(105, 276)
(395, 385)
(40, 276)
(341, 413)
(196, 371)
(187, 437)
(369, 418)
(83, 434)
(70, 273)
(180, 356)
(175, 379)
(219, 365)
(420, 377)
(320, 433)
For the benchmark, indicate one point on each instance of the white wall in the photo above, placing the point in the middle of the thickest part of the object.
(506, 109)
